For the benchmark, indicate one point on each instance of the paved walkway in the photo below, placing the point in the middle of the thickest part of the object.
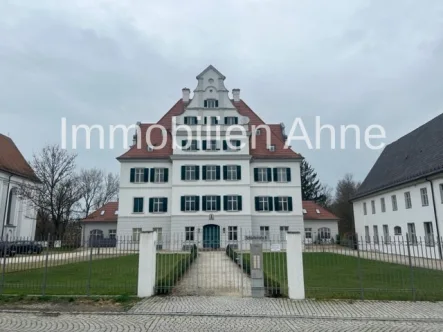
(214, 273)
(239, 314)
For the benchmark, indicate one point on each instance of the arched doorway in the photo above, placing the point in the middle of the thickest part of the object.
(211, 236)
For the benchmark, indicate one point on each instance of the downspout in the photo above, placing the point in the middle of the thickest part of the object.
(6, 206)
(436, 219)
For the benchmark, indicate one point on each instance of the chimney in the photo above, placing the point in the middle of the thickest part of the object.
(186, 93)
(236, 94)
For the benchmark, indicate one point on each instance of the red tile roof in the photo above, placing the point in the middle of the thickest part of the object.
(107, 213)
(311, 212)
(260, 151)
(12, 161)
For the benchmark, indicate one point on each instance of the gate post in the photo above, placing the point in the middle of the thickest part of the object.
(294, 264)
(257, 281)
(147, 264)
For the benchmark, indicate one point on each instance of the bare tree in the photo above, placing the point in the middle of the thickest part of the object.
(328, 197)
(91, 187)
(110, 190)
(58, 191)
(96, 189)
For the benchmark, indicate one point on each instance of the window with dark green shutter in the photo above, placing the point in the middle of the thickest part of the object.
(209, 172)
(158, 204)
(190, 203)
(166, 175)
(232, 172)
(263, 174)
(138, 205)
(159, 175)
(211, 203)
(139, 175)
(217, 172)
(263, 203)
(190, 172)
(283, 203)
(281, 174)
(232, 203)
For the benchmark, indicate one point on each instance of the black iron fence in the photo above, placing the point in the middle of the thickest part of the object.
(69, 266)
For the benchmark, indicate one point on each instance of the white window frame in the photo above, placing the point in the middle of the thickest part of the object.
(190, 204)
(112, 233)
(190, 233)
(386, 237)
(192, 120)
(211, 145)
(283, 203)
(272, 147)
(211, 199)
(308, 230)
(211, 172)
(190, 173)
(136, 234)
(373, 206)
(412, 233)
(424, 196)
(263, 202)
(429, 233)
(232, 233)
(231, 172)
(376, 236)
(159, 231)
(282, 175)
(408, 201)
(365, 209)
(159, 175)
(324, 233)
(383, 204)
(264, 231)
(143, 205)
(230, 120)
(283, 231)
(211, 103)
(262, 174)
(367, 235)
(232, 201)
(139, 175)
(394, 203)
(157, 205)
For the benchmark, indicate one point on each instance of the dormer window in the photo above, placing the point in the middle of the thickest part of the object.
(231, 120)
(304, 211)
(317, 210)
(190, 120)
(272, 148)
(211, 103)
(102, 213)
(150, 148)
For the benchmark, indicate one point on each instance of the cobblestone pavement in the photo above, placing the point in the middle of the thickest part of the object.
(214, 273)
(273, 307)
(134, 323)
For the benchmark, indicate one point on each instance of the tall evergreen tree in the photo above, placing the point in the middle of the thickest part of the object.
(311, 188)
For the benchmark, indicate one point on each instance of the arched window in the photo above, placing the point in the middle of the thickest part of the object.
(324, 233)
(97, 233)
(11, 206)
(397, 230)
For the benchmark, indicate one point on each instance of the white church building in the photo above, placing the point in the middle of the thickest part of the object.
(220, 171)
(17, 214)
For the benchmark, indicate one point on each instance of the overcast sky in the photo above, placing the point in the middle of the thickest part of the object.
(118, 62)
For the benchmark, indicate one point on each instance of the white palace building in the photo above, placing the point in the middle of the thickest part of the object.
(208, 188)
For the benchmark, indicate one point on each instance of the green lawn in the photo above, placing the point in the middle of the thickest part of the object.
(110, 276)
(329, 275)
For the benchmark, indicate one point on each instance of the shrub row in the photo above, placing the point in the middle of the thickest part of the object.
(165, 284)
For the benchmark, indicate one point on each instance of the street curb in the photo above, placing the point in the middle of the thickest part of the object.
(197, 314)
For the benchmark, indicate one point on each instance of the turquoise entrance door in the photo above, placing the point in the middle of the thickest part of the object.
(211, 236)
